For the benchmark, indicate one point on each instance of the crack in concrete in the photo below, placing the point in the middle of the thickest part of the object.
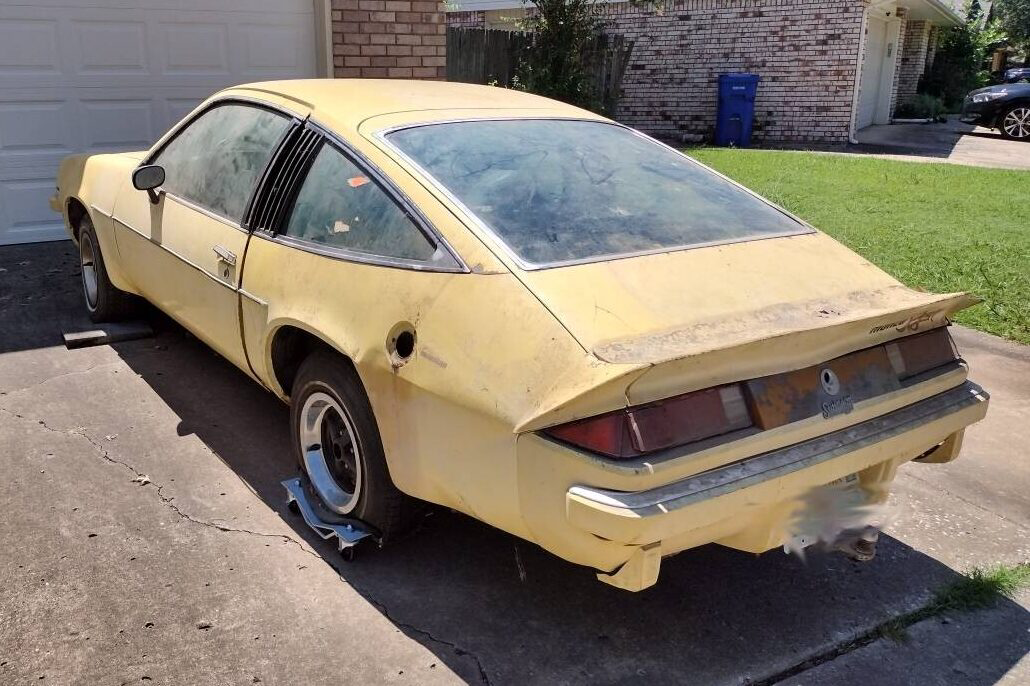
(458, 650)
(103, 453)
(167, 501)
(860, 641)
(60, 376)
(894, 628)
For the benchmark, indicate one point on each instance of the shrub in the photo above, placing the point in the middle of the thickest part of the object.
(922, 106)
(958, 66)
(555, 65)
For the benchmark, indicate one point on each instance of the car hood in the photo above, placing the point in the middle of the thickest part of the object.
(1003, 87)
(656, 308)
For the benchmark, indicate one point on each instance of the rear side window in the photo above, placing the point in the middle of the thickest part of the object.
(216, 160)
(569, 190)
(340, 206)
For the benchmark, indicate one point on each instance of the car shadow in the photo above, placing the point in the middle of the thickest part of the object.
(39, 282)
(496, 609)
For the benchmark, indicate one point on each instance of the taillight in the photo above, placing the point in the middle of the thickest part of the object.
(914, 355)
(643, 429)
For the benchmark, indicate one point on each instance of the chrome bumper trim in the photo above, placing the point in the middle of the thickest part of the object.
(777, 463)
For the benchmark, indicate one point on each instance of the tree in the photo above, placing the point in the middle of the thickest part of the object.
(958, 65)
(555, 64)
(1014, 16)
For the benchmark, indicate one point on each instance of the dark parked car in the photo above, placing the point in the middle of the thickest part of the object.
(1005, 107)
(1017, 74)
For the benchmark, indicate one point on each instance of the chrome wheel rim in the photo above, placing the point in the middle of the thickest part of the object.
(331, 452)
(87, 260)
(1017, 123)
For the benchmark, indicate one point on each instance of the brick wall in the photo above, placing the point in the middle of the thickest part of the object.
(913, 58)
(805, 50)
(931, 47)
(401, 39)
(896, 83)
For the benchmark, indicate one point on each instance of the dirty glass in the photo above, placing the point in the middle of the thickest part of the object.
(565, 190)
(216, 160)
(341, 207)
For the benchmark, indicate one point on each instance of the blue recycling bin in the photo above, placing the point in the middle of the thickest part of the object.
(736, 111)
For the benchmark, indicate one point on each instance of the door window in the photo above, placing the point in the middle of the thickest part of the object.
(340, 206)
(216, 160)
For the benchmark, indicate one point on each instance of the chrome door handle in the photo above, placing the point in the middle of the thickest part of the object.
(225, 255)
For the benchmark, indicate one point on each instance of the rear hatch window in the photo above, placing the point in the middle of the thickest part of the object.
(560, 191)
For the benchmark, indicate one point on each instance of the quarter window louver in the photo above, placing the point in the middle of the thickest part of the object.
(282, 178)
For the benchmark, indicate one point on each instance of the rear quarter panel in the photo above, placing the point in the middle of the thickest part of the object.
(487, 354)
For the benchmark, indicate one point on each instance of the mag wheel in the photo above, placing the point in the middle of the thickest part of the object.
(104, 302)
(330, 451)
(338, 447)
(1015, 123)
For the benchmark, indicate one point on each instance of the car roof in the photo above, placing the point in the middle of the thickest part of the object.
(347, 103)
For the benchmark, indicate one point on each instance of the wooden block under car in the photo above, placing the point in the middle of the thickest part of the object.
(108, 333)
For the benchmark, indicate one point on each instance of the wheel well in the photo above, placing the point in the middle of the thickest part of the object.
(76, 211)
(290, 347)
(1015, 102)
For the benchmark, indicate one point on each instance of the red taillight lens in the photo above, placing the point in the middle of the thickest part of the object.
(914, 355)
(648, 428)
(607, 434)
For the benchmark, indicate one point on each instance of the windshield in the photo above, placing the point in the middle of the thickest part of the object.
(569, 190)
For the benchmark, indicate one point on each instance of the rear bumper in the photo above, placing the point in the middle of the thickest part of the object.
(746, 504)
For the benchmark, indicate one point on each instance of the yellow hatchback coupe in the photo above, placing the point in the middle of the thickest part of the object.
(521, 310)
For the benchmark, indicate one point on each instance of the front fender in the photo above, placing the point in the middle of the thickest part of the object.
(94, 182)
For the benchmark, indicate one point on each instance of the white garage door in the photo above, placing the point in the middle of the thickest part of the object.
(872, 71)
(101, 75)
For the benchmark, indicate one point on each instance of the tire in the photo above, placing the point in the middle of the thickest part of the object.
(104, 302)
(1015, 123)
(337, 446)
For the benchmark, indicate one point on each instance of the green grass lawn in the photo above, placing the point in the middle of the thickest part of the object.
(936, 227)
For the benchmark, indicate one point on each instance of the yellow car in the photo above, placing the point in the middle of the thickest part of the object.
(523, 311)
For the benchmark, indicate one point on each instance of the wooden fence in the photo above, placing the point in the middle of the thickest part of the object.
(493, 56)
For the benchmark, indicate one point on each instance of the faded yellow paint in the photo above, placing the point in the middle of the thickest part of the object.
(193, 286)
(502, 352)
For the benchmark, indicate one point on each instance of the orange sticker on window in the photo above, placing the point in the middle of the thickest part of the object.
(357, 181)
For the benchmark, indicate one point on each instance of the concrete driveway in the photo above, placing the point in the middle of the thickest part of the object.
(145, 539)
(953, 142)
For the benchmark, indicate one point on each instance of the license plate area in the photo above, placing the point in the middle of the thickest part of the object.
(829, 389)
(826, 512)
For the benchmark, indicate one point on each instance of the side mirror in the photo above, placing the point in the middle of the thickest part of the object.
(147, 178)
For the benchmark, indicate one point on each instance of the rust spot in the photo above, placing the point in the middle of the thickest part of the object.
(784, 398)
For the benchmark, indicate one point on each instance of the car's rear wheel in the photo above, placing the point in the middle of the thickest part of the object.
(104, 302)
(1015, 123)
(338, 447)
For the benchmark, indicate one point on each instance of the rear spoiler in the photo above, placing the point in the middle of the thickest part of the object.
(894, 311)
(758, 343)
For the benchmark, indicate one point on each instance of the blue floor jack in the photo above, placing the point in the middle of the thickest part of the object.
(348, 532)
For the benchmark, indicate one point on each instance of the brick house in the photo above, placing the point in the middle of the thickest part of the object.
(829, 67)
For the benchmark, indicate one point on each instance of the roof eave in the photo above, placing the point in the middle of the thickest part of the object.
(935, 11)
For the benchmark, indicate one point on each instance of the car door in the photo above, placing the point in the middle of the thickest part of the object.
(184, 250)
(335, 246)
